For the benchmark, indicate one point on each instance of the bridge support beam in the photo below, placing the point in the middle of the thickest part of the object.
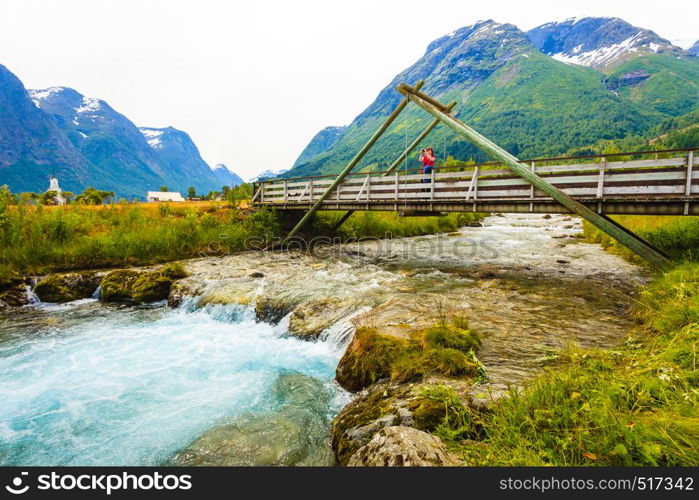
(653, 255)
(353, 163)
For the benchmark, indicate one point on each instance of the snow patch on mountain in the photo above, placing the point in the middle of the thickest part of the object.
(152, 137)
(38, 95)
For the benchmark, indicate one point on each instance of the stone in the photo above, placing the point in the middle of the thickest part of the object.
(310, 318)
(400, 446)
(180, 290)
(150, 287)
(257, 274)
(67, 287)
(293, 434)
(14, 297)
(381, 405)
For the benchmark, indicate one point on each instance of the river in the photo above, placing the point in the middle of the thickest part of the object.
(86, 383)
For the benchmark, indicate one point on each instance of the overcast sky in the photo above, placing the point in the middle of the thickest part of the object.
(253, 83)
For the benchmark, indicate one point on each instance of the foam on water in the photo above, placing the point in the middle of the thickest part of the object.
(132, 388)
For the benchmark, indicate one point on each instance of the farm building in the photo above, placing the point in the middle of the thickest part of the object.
(164, 196)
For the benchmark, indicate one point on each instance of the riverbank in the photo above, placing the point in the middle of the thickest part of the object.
(633, 405)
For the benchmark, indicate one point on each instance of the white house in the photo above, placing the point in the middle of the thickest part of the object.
(164, 196)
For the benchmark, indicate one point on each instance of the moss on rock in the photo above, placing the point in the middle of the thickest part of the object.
(117, 286)
(67, 287)
(126, 285)
(440, 350)
(369, 358)
(150, 287)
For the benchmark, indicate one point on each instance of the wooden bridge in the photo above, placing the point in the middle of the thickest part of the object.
(655, 182)
(609, 184)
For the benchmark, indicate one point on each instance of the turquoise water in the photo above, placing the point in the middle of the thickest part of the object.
(88, 384)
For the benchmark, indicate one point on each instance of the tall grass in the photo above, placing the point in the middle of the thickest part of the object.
(381, 224)
(37, 239)
(677, 235)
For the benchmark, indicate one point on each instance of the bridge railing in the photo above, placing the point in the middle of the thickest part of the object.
(667, 174)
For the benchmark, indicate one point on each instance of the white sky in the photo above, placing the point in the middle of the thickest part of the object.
(253, 82)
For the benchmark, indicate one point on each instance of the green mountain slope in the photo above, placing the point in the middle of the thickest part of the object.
(528, 102)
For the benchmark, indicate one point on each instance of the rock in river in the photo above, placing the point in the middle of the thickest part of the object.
(293, 433)
(67, 287)
(402, 446)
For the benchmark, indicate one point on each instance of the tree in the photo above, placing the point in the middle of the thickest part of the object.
(164, 189)
(191, 192)
(48, 198)
(29, 196)
(92, 196)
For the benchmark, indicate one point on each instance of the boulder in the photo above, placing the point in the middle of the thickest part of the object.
(117, 286)
(294, 433)
(310, 318)
(400, 446)
(14, 297)
(126, 285)
(271, 309)
(368, 359)
(13, 292)
(150, 287)
(181, 289)
(67, 287)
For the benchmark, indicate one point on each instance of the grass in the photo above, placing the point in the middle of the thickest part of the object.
(381, 224)
(677, 235)
(36, 239)
(39, 239)
(635, 405)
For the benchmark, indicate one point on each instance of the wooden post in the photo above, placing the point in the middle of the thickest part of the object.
(652, 255)
(690, 166)
(531, 191)
(368, 186)
(600, 180)
(432, 184)
(401, 106)
(688, 185)
(286, 192)
(396, 188)
(310, 190)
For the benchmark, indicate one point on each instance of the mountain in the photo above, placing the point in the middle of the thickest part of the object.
(85, 142)
(268, 174)
(694, 49)
(225, 176)
(598, 42)
(183, 164)
(107, 139)
(31, 142)
(321, 142)
(527, 101)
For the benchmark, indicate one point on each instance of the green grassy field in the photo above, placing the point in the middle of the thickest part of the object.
(36, 239)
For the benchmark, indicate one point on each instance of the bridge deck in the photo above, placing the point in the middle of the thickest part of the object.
(666, 186)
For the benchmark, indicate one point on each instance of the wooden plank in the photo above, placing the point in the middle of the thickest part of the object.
(690, 164)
